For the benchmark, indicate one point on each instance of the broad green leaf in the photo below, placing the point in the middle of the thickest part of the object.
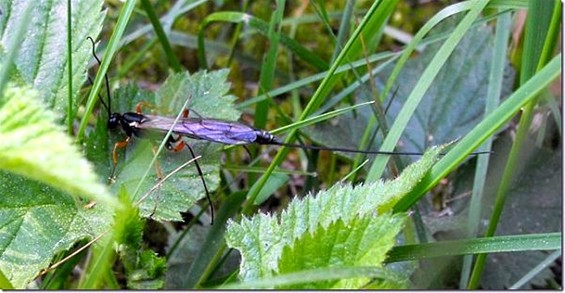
(533, 198)
(262, 238)
(455, 101)
(39, 222)
(41, 62)
(32, 145)
(206, 92)
(452, 106)
(364, 241)
(534, 206)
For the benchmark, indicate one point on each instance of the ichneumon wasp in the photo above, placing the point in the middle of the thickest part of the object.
(136, 124)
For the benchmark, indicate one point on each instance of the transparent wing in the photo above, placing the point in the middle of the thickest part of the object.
(204, 129)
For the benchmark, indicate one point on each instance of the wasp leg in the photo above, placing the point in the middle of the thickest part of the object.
(142, 104)
(117, 145)
(179, 148)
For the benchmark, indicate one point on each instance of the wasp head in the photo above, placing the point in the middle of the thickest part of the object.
(114, 120)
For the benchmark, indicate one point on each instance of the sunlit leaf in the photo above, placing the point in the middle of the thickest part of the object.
(262, 239)
(32, 145)
(41, 62)
(39, 222)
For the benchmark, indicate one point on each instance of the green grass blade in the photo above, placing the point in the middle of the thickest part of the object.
(263, 28)
(267, 74)
(101, 261)
(316, 119)
(179, 8)
(512, 243)
(315, 275)
(550, 259)
(344, 27)
(161, 35)
(493, 98)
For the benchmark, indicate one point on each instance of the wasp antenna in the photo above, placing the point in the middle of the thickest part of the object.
(100, 97)
(109, 105)
(391, 99)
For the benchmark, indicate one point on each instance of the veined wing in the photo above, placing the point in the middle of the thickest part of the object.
(204, 129)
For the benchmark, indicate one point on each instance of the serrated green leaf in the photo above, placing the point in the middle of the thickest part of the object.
(32, 145)
(207, 94)
(128, 230)
(207, 91)
(362, 242)
(261, 239)
(39, 222)
(41, 61)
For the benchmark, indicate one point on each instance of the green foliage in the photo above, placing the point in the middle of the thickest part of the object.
(41, 169)
(336, 228)
(39, 222)
(452, 106)
(43, 174)
(26, 129)
(314, 57)
(364, 241)
(41, 60)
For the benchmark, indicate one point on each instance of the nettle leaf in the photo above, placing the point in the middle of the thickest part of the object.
(452, 106)
(41, 61)
(362, 242)
(41, 169)
(262, 239)
(38, 223)
(32, 145)
(206, 93)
